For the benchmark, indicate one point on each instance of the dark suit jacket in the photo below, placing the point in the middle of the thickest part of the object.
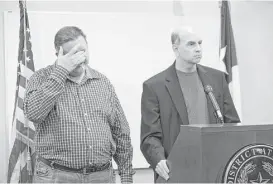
(163, 109)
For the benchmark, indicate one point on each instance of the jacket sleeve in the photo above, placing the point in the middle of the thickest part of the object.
(151, 132)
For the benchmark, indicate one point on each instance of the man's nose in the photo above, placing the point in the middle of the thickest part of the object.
(198, 48)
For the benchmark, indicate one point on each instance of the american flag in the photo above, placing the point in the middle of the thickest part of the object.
(22, 134)
(228, 56)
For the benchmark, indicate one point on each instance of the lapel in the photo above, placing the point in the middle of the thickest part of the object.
(176, 94)
(174, 89)
(206, 80)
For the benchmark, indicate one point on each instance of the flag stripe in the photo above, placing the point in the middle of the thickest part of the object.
(18, 147)
(25, 139)
(20, 103)
(25, 178)
(21, 92)
(26, 72)
(24, 175)
(235, 90)
(15, 177)
(12, 137)
(21, 117)
(22, 81)
(16, 93)
(24, 130)
(20, 166)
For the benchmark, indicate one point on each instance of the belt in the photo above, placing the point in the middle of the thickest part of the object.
(84, 170)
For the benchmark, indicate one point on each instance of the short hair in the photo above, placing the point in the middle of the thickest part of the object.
(66, 34)
(178, 32)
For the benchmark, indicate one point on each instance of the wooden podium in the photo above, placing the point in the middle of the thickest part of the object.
(201, 152)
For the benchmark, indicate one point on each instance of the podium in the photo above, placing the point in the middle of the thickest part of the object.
(202, 153)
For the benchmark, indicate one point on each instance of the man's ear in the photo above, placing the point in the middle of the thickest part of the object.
(57, 51)
(175, 47)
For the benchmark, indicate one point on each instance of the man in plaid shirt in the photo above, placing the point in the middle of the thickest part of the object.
(80, 125)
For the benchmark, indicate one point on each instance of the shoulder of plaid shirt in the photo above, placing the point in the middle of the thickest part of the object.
(46, 88)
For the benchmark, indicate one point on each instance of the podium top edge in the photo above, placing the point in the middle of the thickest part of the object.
(226, 127)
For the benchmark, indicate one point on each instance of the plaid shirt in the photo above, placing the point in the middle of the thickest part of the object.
(78, 125)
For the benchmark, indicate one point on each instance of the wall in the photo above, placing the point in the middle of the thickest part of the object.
(253, 29)
(252, 23)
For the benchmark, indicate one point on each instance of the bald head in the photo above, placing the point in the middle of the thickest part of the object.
(187, 46)
(181, 33)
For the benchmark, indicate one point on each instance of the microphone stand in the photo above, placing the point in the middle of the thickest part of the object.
(219, 119)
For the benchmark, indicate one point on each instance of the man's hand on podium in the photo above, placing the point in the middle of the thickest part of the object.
(162, 169)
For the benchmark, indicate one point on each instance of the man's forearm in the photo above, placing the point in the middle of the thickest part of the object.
(39, 102)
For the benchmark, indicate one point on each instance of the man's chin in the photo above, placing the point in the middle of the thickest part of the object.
(196, 60)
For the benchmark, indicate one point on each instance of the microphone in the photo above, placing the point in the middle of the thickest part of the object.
(218, 114)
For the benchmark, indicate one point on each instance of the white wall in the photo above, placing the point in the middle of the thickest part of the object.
(252, 23)
(253, 27)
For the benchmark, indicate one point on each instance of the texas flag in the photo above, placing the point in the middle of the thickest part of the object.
(228, 56)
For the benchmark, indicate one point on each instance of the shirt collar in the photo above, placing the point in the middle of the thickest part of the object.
(91, 73)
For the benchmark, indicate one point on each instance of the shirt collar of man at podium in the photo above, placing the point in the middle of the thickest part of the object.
(176, 97)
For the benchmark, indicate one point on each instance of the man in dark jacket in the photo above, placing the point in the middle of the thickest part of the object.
(176, 97)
